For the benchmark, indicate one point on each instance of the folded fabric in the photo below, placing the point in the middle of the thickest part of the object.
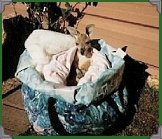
(59, 67)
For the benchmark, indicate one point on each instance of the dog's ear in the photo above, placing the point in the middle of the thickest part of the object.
(89, 29)
(73, 32)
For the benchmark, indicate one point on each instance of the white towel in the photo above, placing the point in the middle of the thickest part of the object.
(59, 67)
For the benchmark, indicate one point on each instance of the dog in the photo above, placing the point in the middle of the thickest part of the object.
(82, 58)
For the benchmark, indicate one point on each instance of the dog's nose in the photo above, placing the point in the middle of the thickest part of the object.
(82, 51)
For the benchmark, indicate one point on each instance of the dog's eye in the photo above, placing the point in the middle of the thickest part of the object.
(88, 42)
(77, 43)
(89, 49)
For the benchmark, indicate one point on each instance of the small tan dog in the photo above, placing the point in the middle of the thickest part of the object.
(83, 55)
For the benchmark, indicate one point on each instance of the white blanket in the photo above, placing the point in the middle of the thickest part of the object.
(59, 67)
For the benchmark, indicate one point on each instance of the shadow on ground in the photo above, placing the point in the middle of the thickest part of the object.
(134, 79)
(16, 30)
